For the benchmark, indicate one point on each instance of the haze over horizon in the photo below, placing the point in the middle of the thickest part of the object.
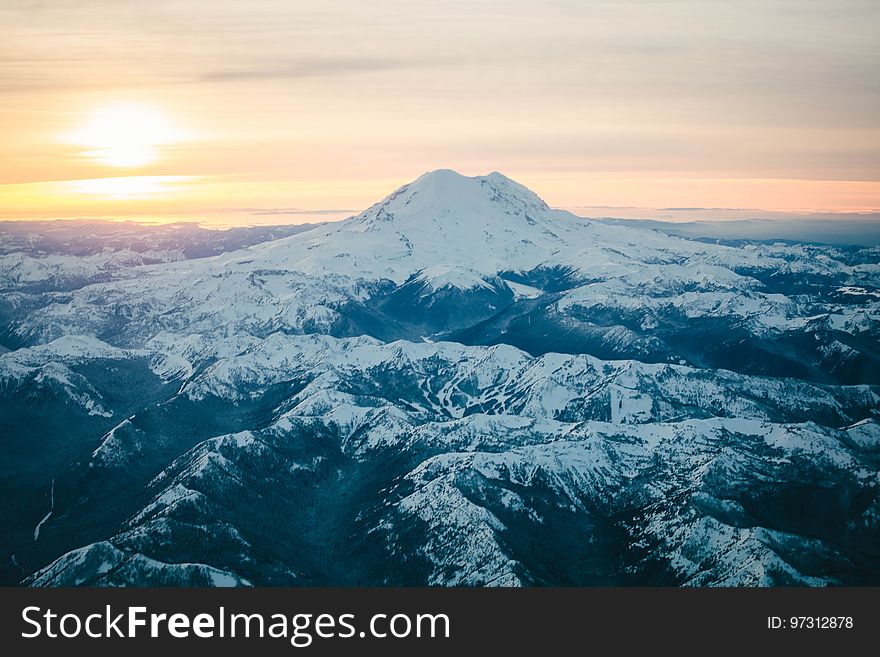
(286, 112)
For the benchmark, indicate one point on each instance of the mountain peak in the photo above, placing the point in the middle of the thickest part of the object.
(449, 180)
(441, 175)
(483, 223)
(447, 193)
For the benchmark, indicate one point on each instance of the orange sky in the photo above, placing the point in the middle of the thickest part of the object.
(272, 111)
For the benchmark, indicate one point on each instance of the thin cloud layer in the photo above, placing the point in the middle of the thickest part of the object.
(305, 99)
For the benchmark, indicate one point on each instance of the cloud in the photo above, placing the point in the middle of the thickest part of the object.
(709, 209)
(316, 67)
(281, 211)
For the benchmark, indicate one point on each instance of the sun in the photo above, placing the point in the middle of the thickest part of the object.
(125, 136)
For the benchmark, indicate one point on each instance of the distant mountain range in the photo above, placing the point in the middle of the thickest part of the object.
(839, 229)
(458, 386)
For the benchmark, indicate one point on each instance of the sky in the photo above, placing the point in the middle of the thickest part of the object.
(279, 111)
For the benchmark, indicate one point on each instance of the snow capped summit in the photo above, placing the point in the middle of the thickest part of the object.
(447, 195)
(486, 223)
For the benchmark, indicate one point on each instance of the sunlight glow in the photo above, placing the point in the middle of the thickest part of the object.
(125, 136)
(128, 187)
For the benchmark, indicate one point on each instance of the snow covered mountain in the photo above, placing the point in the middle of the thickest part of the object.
(484, 261)
(41, 256)
(459, 385)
